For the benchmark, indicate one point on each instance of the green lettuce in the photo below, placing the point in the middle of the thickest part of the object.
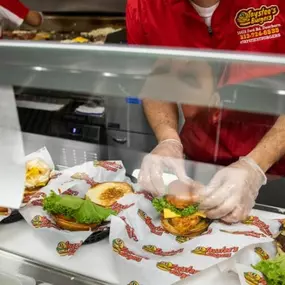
(83, 211)
(273, 270)
(160, 204)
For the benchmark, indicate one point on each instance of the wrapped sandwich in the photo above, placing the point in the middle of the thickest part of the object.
(180, 214)
(37, 176)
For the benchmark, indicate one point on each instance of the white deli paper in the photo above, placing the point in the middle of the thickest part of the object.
(12, 167)
(72, 181)
(42, 154)
(146, 254)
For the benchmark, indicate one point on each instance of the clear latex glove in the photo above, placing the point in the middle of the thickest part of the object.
(231, 193)
(167, 156)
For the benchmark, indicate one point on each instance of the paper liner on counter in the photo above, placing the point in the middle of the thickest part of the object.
(145, 253)
(72, 181)
(42, 154)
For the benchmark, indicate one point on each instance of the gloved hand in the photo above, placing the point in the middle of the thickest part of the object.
(166, 156)
(231, 193)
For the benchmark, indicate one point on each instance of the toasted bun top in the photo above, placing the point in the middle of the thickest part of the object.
(37, 173)
(106, 194)
(180, 195)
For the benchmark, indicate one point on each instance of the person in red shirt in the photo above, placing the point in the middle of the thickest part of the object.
(250, 145)
(15, 13)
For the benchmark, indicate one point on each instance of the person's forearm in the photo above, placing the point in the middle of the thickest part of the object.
(272, 147)
(163, 118)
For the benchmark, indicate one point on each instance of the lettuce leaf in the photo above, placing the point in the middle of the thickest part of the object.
(273, 270)
(90, 213)
(65, 205)
(83, 211)
(160, 204)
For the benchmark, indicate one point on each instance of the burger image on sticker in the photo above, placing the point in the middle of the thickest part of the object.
(180, 214)
(252, 278)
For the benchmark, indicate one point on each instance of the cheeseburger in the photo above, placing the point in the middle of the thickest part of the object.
(179, 212)
(75, 214)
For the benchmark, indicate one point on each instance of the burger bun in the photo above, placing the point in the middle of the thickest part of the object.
(71, 225)
(106, 194)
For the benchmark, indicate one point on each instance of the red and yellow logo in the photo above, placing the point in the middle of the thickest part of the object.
(252, 278)
(130, 230)
(182, 239)
(65, 248)
(158, 251)
(42, 222)
(36, 199)
(70, 192)
(85, 177)
(261, 253)
(224, 252)
(256, 17)
(181, 271)
(159, 231)
(255, 221)
(146, 194)
(120, 248)
(245, 233)
(108, 165)
(118, 208)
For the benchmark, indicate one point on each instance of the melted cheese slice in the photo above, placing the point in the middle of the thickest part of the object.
(168, 214)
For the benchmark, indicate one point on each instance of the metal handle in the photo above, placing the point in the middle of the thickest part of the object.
(120, 140)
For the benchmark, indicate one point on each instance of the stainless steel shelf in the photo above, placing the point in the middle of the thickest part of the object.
(42, 273)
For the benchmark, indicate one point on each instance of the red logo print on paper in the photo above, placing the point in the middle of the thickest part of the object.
(42, 222)
(120, 248)
(65, 248)
(146, 194)
(85, 177)
(224, 252)
(157, 230)
(108, 165)
(118, 208)
(158, 251)
(180, 271)
(255, 221)
(245, 233)
(130, 230)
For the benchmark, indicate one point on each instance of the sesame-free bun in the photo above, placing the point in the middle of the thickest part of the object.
(106, 194)
(71, 225)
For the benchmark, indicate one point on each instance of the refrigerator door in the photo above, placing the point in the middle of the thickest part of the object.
(129, 147)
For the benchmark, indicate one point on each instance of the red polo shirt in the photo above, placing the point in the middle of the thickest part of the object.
(240, 25)
(13, 11)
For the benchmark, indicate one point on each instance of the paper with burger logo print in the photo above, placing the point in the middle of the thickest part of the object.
(41, 154)
(145, 252)
(73, 181)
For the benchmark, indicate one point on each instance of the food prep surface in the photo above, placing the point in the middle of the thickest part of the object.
(94, 261)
